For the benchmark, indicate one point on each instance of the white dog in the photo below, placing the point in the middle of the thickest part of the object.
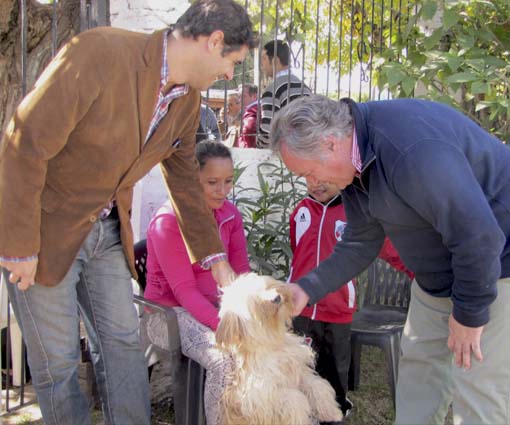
(274, 381)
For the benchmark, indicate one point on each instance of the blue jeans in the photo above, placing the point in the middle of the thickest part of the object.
(97, 288)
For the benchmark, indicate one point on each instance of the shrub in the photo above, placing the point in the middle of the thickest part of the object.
(266, 211)
(464, 62)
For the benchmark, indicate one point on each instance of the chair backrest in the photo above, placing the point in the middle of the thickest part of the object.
(387, 286)
(141, 262)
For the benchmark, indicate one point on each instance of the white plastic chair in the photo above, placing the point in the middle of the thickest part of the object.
(16, 338)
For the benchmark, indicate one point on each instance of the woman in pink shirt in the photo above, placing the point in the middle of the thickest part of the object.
(174, 281)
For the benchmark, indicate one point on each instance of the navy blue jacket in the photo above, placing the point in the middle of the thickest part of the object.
(439, 186)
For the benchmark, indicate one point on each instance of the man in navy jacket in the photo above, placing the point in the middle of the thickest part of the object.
(439, 186)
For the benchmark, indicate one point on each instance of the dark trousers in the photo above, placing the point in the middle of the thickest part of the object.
(332, 343)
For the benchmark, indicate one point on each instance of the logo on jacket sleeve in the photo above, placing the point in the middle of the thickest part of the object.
(303, 220)
(339, 229)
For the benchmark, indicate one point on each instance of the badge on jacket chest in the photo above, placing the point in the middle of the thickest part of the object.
(339, 229)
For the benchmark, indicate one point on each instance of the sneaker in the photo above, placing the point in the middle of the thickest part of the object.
(346, 407)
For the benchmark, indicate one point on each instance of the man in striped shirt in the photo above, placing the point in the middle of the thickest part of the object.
(284, 88)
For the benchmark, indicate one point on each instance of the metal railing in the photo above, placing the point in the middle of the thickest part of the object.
(333, 44)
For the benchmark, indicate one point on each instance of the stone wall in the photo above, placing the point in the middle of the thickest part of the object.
(145, 15)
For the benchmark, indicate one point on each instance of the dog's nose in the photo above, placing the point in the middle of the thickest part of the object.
(277, 299)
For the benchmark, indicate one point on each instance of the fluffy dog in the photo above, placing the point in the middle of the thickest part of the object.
(274, 381)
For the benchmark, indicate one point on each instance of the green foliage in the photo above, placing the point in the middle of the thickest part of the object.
(337, 33)
(464, 62)
(265, 210)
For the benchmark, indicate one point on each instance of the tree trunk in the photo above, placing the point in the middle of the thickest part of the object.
(39, 45)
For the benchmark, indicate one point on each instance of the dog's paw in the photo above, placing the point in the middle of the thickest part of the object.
(329, 413)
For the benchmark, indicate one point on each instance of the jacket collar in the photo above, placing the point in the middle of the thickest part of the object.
(359, 112)
(333, 202)
(225, 213)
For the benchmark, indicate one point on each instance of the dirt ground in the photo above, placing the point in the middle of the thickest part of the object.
(162, 407)
(372, 401)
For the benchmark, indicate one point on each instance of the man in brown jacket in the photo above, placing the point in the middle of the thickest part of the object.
(110, 106)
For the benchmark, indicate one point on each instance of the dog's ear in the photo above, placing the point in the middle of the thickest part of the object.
(231, 331)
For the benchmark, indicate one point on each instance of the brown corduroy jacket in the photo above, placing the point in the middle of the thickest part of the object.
(77, 141)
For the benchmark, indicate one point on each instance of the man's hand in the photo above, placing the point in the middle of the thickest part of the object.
(299, 297)
(223, 273)
(22, 273)
(462, 341)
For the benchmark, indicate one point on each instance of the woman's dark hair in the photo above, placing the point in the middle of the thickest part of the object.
(207, 150)
(204, 17)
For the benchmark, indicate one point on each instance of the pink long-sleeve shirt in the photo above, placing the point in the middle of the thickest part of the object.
(171, 278)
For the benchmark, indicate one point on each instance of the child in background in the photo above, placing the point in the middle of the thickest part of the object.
(316, 225)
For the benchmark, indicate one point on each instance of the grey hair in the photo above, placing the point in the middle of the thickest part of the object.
(305, 122)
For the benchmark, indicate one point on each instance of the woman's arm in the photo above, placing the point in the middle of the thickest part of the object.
(173, 258)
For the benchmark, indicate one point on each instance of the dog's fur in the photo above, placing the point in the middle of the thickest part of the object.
(274, 381)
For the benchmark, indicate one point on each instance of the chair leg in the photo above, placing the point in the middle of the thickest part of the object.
(195, 394)
(355, 366)
(187, 377)
(392, 358)
(201, 389)
(179, 378)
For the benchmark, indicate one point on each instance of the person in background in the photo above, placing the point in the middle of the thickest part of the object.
(222, 122)
(283, 89)
(174, 280)
(208, 125)
(67, 172)
(233, 108)
(248, 135)
(438, 186)
(316, 225)
(233, 119)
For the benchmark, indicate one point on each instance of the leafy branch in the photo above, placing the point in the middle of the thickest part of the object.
(265, 210)
(464, 61)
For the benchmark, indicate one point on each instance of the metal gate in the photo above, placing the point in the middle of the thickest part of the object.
(333, 45)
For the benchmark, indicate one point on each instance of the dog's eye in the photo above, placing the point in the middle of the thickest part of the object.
(277, 299)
